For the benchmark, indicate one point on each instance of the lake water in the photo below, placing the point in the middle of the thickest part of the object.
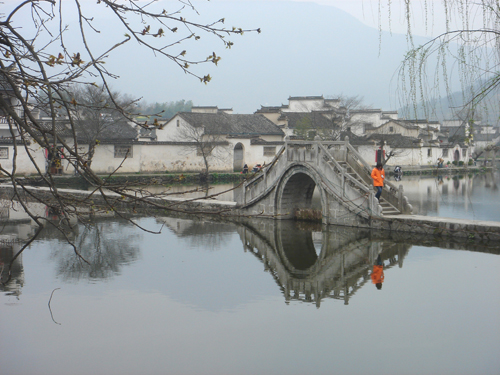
(256, 297)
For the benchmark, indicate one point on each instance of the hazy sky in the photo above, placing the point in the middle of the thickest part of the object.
(367, 11)
(306, 48)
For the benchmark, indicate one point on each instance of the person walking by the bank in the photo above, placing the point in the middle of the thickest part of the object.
(378, 176)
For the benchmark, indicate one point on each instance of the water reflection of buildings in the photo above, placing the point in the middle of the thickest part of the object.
(208, 234)
(311, 266)
(428, 193)
(16, 227)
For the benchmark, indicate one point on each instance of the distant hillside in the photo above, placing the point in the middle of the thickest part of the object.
(488, 112)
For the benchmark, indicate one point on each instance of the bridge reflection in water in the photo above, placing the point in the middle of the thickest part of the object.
(309, 262)
(315, 263)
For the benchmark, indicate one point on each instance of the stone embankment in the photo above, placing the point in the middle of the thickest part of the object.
(433, 170)
(434, 227)
(443, 227)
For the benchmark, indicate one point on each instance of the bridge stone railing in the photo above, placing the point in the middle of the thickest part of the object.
(345, 152)
(394, 195)
(259, 186)
(358, 197)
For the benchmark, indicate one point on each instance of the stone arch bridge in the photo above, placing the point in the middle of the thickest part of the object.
(284, 188)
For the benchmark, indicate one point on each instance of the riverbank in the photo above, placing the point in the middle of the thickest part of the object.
(433, 170)
(435, 227)
(137, 179)
(218, 178)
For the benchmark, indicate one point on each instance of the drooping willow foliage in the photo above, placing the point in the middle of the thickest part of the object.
(464, 57)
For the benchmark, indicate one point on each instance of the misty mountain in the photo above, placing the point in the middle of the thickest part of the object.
(303, 49)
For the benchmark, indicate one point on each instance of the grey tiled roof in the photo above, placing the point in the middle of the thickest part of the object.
(269, 109)
(396, 140)
(260, 141)
(232, 124)
(117, 131)
(147, 133)
(421, 121)
(305, 97)
(5, 86)
(486, 137)
(61, 127)
(317, 120)
(113, 131)
(354, 139)
(404, 124)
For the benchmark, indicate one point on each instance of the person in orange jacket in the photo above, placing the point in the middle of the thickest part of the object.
(378, 273)
(378, 176)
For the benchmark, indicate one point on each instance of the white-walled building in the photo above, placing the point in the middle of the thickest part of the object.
(411, 142)
(245, 139)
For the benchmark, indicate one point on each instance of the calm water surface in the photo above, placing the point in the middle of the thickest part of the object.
(257, 297)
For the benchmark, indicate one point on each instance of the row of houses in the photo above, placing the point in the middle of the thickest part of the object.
(218, 139)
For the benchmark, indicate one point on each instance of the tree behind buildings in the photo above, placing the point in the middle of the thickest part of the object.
(165, 110)
(98, 115)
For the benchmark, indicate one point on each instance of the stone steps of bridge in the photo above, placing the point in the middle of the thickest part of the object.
(351, 172)
(387, 208)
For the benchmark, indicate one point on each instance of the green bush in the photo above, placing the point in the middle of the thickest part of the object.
(460, 163)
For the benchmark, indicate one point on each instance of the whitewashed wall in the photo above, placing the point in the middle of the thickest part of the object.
(372, 117)
(403, 156)
(158, 158)
(414, 156)
(305, 105)
(397, 129)
(170, 131)
(24, 166)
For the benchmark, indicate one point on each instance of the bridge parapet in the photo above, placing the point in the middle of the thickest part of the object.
(394, 195)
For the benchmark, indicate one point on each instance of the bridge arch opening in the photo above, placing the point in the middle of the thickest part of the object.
(299, 199)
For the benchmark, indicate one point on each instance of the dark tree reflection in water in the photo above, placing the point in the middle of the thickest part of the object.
(107, 245)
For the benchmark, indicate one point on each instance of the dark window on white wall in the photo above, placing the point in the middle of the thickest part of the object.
(123, 151)
(269, 151)
(429, 152)
(445, 153)
(4, 152)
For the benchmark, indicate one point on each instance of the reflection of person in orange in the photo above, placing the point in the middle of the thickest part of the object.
(378, 273)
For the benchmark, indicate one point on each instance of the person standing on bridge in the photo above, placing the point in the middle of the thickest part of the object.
(378, 176)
